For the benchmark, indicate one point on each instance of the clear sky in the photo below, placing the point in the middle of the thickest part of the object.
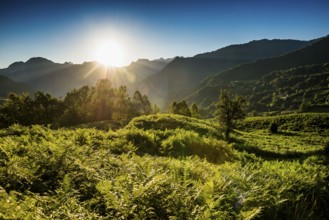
(72, 30)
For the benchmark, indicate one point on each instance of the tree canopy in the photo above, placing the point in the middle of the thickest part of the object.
(230, 109)
(86, 104)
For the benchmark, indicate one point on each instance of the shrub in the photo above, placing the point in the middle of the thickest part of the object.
(326, 150)
(273, 128)
(187, 143)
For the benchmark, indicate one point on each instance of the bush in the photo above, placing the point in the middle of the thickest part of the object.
(188, 143)
(326, 150)
(273, 128)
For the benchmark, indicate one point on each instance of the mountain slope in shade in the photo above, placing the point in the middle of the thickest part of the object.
(7, 85)
(182, 76)
(256, 50)
(57, 79)
(207, 92)
(146, 68)
(179, 78)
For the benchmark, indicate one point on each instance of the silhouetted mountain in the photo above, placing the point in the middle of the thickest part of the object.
(7, 85)
(182, 76)
(256, 50)
(145, 68)
(57, 79)
(39, 61)
(241, 76)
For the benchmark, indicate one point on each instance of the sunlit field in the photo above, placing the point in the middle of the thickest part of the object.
(161, 166)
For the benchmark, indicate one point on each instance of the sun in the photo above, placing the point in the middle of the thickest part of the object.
(109, 53)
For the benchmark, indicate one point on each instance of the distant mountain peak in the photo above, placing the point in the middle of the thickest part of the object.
(38, 61)
(16, 64)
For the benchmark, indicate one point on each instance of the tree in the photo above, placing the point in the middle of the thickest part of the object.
(77, 106)
(146, 105)
(46, 109)
(304, 106)
(173, 108)
(103, 100)
(24, 110)
(230, 109)
(180, 108)
(16, 109)
(137, 101)
(155, 109)
(195, 111)
(122, 105)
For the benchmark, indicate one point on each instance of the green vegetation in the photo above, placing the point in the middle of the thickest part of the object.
(87, 104)
(165, 166)
(100, 153)
(291, 82)
(230, 109)
(308, 122)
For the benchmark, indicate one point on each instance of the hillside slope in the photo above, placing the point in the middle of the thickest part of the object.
(257, 49)
(182, 75)
(57, 79)
(245, 75)
(7, 85)
(162, 167)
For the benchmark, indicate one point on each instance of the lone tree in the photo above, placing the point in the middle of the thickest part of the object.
(195, 111)
(230, 109)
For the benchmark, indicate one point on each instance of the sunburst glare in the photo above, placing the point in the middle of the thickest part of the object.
(109, 53)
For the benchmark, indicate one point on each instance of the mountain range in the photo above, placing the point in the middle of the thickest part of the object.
(196, 79)
(207, 91)
(182, 76)
(58, 79)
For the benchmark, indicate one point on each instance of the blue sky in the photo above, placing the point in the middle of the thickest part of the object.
(72, 30)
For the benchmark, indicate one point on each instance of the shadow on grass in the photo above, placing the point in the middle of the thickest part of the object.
(287, 133)
(270, 155)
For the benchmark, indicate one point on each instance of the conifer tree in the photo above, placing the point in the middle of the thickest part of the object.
(195, 110)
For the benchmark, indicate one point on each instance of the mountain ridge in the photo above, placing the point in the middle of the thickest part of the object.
(57, 79)
(182, 76)
(207, 91)
(256, 49)
(7, 85)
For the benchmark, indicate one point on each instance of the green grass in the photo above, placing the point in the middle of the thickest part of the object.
(161, 167)
(287, 144)
(308, 122)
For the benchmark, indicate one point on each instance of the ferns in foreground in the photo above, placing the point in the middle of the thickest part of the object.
(93, 174)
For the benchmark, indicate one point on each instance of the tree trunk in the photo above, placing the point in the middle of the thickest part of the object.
(227, 134)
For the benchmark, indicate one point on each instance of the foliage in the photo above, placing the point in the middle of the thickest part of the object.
(247, 79)
(195, 111)
(230, 109)
(169, 121)
(326, 149)
(153, 169)
(41, 109)
(309, 122)
(273, 128)
(87, 104)
(180, 108)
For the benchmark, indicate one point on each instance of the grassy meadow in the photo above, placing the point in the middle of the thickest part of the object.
(167, 166)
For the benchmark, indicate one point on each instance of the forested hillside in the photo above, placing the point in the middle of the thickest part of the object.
(182, 76)
(283, 79)
(7, 85)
